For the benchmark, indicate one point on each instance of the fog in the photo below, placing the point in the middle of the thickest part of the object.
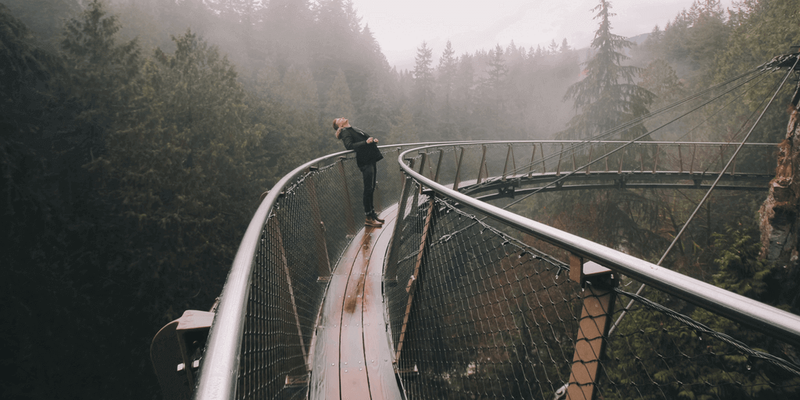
(137, 136)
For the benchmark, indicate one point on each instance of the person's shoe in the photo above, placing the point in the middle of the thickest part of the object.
(374, 216)
(372, 222)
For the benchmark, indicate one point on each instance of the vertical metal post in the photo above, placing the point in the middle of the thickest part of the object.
(574, 166)
(541, 152)
(533, 158)
(589, 164)
(411, 287)
(691, 164)
(349, 217)
(655, 163)
(390, 275)
(482, 165)
(558, 168)
(438, 166)
(459, 160)
(513, 161)
(680, 158)
(430, 167)
(505, 166)
(641, 158)
(323, 262)
(598, 304)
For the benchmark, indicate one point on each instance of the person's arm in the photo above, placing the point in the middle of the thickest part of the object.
(349, 144)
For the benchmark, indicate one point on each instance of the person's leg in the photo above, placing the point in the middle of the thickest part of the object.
(368, 175)
(374, 186)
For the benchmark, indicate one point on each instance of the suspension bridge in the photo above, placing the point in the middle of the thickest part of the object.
(456, 297)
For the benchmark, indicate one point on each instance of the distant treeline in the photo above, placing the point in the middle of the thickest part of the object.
(136, 136)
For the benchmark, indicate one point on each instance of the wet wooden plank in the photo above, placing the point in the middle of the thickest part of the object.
(352, 374)
(377, 345)
(341, 368)
(325, 374)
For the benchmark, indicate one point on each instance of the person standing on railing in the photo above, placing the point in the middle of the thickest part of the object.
(367, 155)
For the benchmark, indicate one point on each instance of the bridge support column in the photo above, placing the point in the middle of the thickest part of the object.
(598, 307)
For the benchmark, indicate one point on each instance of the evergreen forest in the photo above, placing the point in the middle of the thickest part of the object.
(137, 135)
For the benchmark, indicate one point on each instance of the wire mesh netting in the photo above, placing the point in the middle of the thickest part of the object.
(479, 314)
(660, 353)
(309, 227)
(488, 316)
(476, 312)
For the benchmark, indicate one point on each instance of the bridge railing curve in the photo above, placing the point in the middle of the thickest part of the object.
(478, 311)
(260, 342)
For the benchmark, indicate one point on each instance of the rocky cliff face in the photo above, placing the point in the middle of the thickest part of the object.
(779, 213)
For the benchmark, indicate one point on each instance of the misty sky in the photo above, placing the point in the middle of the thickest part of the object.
(401, 26)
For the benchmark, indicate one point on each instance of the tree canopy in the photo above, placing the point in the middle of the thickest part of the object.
(137, 136)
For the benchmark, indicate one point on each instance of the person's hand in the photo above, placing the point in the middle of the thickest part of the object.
(372, 140)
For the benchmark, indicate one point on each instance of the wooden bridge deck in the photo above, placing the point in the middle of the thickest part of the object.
(353, 355)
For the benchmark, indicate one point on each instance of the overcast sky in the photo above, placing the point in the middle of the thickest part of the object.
(401, 26)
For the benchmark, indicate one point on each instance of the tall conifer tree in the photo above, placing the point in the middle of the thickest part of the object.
(423, 95)
(608, 95)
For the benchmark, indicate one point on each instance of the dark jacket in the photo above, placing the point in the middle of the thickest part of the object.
(356, 139)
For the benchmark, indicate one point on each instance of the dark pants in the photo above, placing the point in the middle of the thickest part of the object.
(369, 173)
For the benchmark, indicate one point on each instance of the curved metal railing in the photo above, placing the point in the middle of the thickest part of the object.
(769, 319)
(263, 332)
(264, 324)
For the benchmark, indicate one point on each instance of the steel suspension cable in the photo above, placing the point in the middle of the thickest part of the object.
(708, 193)
(630, 142)
(758, 70)
(715, 113)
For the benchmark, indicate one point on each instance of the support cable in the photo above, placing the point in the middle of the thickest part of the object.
(759, 71)
(708, 193)
(700, 328)
(629, 124)
(630, 142)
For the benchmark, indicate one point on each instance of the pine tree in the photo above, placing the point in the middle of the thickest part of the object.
(446, 75)
(103, 72)
(564, 46)
(494, 93)
(552, 48)
(423, 94)
(339, 102)
(446, 80)
(608, 95)
(464, 97)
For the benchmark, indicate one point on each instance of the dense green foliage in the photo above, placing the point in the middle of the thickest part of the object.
(136, 137)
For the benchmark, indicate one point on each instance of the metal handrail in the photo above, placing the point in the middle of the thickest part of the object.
(762, 317)
(220, 365)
